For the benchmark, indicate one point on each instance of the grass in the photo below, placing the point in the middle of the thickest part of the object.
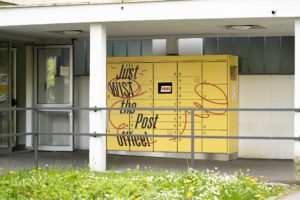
(56, 183)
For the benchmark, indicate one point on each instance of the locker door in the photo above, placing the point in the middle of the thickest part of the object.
(142, 83)
(118, 123)
(213, 91)
(215, 119)
(165, 73)
(117, 94)
(189, 76)
(215, 72)
(215, 145)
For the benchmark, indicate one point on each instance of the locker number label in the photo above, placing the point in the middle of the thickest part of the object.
(165, 88)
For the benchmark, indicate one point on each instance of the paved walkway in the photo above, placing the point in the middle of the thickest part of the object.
(273, 170)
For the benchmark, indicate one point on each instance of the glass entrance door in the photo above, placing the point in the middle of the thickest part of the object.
(54, 86)
(5, 97)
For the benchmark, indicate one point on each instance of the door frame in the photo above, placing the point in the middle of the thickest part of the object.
(49, 106)
(8, 149)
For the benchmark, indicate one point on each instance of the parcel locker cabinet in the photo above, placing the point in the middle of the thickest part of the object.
(142, 121)
(165, 95)
(184, 82)
(189, 89)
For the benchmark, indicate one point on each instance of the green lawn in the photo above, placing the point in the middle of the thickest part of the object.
(134, 184)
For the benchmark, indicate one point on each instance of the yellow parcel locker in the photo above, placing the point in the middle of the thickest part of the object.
(182, 82)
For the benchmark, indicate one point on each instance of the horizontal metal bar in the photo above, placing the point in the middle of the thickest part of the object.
(144, 108)
(160, 135)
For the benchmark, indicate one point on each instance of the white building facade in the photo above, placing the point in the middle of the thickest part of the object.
(265, 34)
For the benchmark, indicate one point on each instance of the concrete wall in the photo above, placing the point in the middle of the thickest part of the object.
(81, 118)
(256, 91)
(266, 91)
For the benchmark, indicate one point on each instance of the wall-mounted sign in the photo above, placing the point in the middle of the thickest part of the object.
(165, 88)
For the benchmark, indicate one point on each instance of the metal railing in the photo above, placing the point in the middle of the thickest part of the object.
(36, 133)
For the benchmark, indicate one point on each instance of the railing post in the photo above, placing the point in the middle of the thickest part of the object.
(192, 140)
(36, 137)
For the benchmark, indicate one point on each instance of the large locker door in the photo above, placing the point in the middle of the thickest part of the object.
(142, 121)
(215, 72)
(165, 76)
(189, 96)
(215, 95)
(118, 92)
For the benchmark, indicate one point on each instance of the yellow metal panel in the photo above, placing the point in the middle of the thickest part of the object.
(190, 80)
(189, 88)
(165, 103)
(215, 119)
(184, 145)
(116, 118)
(191, 103)
(215, 72)
(165, 144)
(118, 143)
(166, 125)
(186, 125)
(213, 91)
(169, 58)
(142, 120)
(118, 85)
(215, 122)
(215, 145)
(162, 116)
(190, 69)
(165, 70)
(142, 143)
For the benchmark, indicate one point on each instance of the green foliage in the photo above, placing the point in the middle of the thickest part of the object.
(135, 184)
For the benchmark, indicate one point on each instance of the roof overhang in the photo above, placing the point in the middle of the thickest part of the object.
(154, 19)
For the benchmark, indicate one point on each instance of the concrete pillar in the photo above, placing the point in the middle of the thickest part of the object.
(97, 94)
(297, 101)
